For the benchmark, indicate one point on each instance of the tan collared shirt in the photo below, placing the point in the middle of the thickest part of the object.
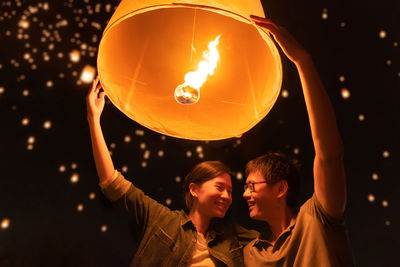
(201, 255)
(313, 238)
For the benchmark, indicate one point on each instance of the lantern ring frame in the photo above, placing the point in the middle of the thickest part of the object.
(204, 7)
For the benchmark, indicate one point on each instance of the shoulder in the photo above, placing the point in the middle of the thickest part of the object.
(234, 230)
(313, 208)
(244, 234)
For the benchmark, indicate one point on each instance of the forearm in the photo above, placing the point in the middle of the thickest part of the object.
(102, 157)
(329, 175)
(325, 134)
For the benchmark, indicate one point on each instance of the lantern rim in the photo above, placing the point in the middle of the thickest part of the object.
(177, 5)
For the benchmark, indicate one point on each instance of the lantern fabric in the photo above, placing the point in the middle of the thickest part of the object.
(149, 46)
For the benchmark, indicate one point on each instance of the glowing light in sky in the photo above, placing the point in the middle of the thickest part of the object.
(25, 121)
(62, 168)
(345, 93)
(127, 138)
(31, 140)
(47, 125)
(139, 132)
(385, 154)
(74, 178)
(74, 56)
(5, 223)
(371, 198)
(87, 74)
(23, 24)
(124, 169)
(80, 207)
(324, 14)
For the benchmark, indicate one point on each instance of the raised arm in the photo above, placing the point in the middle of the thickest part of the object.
(329, 175)
(95, 105)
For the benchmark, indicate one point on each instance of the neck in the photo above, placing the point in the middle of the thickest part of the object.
(200, 221)
(280, 222)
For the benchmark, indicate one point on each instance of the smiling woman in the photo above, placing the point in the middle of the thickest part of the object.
(173, 238)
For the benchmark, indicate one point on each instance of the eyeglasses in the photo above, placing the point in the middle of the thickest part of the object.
(250, 185)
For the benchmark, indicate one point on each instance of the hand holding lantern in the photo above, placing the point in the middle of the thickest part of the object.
(95, 100)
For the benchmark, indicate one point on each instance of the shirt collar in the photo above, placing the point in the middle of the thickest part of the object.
(185, 221)
(262, 239)
(216, 228)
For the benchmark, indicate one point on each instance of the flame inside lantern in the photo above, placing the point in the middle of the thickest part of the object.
(189, 91)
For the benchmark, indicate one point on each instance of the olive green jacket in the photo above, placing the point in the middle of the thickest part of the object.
(168, 238)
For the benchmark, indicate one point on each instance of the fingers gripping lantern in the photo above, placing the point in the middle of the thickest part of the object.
(150, 49)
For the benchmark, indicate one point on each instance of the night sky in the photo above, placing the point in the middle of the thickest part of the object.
(52, 212)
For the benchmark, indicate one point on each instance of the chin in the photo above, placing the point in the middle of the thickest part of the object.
(253, 215)
(220, 214)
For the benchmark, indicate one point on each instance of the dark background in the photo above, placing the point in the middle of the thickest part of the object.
(354, 46)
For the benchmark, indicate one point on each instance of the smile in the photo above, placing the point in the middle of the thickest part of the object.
(222, 205)
(251, 204)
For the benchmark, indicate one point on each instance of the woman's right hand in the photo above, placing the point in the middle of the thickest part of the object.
(95, 100)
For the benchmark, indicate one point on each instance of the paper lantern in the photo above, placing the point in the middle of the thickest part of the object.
(148, 47)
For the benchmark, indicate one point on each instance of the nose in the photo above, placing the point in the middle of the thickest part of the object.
(226, 195)
(246, 193)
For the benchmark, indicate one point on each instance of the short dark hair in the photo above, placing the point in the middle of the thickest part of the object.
(201, 173)
(275, 167)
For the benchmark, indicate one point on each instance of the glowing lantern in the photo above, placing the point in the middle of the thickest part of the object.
(198, 70)
(74, 55)
(87, 74)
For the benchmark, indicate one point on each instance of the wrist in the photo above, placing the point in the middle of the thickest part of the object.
(303, 60)
(93, 119)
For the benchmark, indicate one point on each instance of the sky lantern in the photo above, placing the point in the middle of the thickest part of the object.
(199, 70)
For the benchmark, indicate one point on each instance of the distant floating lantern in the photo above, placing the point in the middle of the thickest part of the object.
(75, 55)
(87, 74)
(150, 47)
